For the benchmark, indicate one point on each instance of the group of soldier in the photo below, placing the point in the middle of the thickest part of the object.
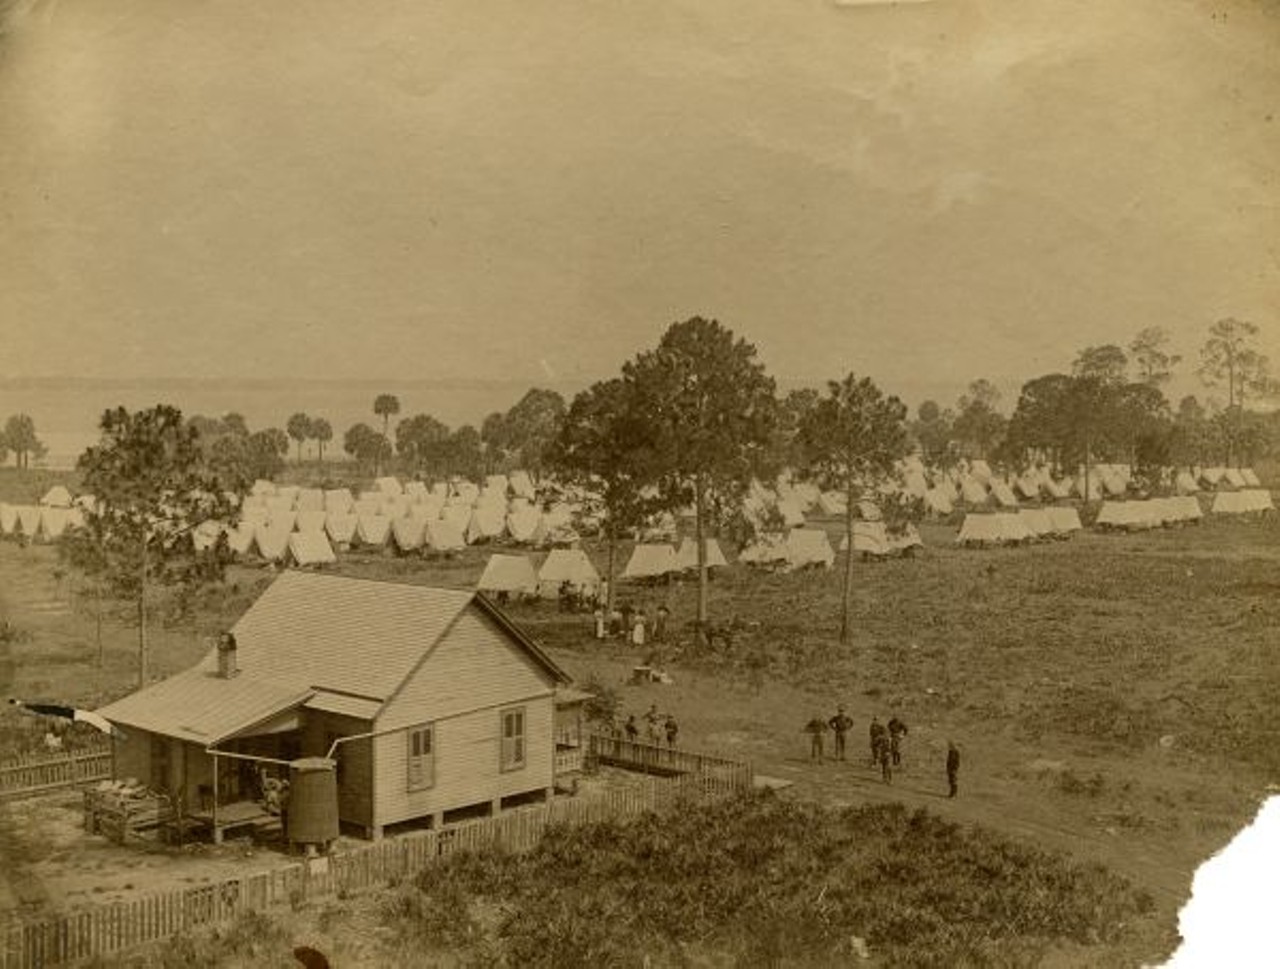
(886, 745)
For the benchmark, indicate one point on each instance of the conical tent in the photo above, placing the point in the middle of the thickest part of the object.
(261, 487)
(309, 499)
(937, 501)
(310, 521)
(869, 538)
(444, 536)
(282, 520)
(521, 485)
(789, 509)
(416, 490)
(523, 523)
(8, 518)
(279, 504)
(1064, 520)
(1185, 484)
(28, 519)
(486, 522)
(972, 492)
(687, 555)
(567, 565)
(390, 485)
(53, 522)
(373, 529)
(409, 532)
(458, 517)
(508, 573)
(340, 527)
(809, 547)
(1234, 478)
(271, 543)
(310, 548)
(650, 561)
(240, 538)
(1250, 477)
(57, 497)
(1003, 494)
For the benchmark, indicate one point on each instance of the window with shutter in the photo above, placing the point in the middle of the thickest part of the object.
(513, 738)
(422, 758)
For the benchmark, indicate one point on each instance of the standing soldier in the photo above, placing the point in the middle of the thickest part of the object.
(840, 725)
(654, 719)
(633, 731)
(878, 739)
(816, 728)
(897, 730)
(886, 772)
(673, 730)
(953, 767)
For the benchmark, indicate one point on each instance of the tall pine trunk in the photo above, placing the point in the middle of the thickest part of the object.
(143, 670)
(609, 571)
(699, 537)
(846, 596)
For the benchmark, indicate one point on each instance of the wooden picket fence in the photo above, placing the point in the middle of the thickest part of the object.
(111, 929)
(42, 773)
(664, 760)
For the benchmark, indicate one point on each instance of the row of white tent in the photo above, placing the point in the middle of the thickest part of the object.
(515, 574)
(1148, 513)
(39, 522)
(650, 560)
(1002, 528)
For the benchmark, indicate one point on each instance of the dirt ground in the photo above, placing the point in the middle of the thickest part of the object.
(1113, 696)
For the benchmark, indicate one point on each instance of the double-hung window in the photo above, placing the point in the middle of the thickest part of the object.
(513, 738)
(422, 757)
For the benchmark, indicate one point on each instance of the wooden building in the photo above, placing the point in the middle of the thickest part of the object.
(430, 700)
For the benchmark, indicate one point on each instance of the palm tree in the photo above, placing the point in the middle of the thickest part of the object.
(385, 405)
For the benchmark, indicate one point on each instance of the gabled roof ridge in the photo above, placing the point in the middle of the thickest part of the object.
(364, 580)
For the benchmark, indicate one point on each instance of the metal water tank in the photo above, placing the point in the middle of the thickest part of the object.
(313, 801)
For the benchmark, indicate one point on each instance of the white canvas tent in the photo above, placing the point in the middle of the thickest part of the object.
(338, 500)
(8, 518)
(978, 529)
(53, 521)
(261, 488)
(1003, 494)
(409, 532)
(650, 561)
(204, 535)
(389, 485)
(310, 521)
(57, 497)
(789, 509)
(279, 505)
(521, 485)
(240, 538)
(567, 565)
(486, 522)
(458, 517)
(311, 548)
(1250, 478)
(938, 501)
(1013, 527)
(340, 527)
(309, 499)
(372, 529)
(28, 519)
(271, 543)
(972, 492)
(687, 555)
(524, 522)
(1037, 521)
(508, 574)
(1185, 484)
(443, 536)
(809, 547)
(1065, 520)
(767, 550)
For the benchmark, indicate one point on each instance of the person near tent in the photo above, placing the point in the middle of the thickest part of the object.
(600, 624)
(673, 730)
(631, 728)
(637, 628)
(879, 738)
(840, 725)
(953, 768)
(660, 624)
(817, 729)
(897, 730)
(615, 624)
(627, 610)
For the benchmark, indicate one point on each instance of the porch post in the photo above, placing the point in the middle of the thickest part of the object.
(217, 832)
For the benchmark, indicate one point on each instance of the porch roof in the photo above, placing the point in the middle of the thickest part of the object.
(202, 707)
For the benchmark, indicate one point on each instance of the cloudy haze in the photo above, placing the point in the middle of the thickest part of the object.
(925, 192)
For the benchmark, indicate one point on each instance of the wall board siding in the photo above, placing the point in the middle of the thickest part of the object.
(467, 769)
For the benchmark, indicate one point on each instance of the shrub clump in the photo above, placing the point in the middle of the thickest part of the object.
(768, 882)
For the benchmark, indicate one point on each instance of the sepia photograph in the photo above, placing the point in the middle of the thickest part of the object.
(673, 485)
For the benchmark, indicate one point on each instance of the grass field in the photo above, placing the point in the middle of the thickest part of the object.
(1113, 695)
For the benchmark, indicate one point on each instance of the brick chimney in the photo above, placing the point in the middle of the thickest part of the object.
(227, 656)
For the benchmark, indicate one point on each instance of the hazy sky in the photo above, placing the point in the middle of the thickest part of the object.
(925, 192)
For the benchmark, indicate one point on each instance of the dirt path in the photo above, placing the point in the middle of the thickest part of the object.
(996, 789)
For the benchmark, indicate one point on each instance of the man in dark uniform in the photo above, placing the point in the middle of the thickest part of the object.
(897, 730)
(816, 728)
(886, 772)
(953, 768)
(879, 738)
(840, 725)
